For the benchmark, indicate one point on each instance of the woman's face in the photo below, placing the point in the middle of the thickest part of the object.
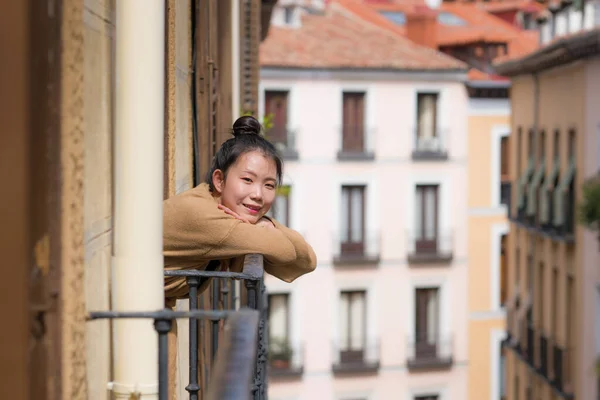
(249, 189)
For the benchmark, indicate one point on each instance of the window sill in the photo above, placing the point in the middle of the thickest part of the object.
(355, 155)
(425, 155)
(430, 258)
(429, 364)
(355, 368)
(355, 259)
(290, 154)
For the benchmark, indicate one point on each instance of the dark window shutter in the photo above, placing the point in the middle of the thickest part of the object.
(276, 103)
(353, 122)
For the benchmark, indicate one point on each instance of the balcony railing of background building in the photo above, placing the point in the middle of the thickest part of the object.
(356, 143)
(356, 356)
(430, 247)
(284, 140)
(356, 248)
(562, 364)
(285, 360)
(429, 351)
(543, 355)
(244, 350)
(530, 346)
(430, 148)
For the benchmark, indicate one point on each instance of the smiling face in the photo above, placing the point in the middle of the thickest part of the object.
(249, 188)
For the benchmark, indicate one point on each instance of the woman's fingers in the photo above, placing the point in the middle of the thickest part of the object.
(231, 212)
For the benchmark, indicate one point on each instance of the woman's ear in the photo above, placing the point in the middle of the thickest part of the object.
(218, 180)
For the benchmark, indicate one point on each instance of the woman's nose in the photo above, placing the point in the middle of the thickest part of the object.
(257, 193)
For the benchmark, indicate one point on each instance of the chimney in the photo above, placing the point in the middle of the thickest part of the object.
(421, 26)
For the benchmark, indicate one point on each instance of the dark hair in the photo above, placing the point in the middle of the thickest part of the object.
(246, 137)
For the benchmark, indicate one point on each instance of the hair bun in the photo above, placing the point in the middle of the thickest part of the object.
(246, 125)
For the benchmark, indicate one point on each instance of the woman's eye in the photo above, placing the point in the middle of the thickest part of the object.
(247, 179)
(270, 186)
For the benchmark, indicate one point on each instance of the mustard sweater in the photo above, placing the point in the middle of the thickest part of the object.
(196, 232)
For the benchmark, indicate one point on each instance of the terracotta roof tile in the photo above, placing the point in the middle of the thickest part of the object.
(480, 26)
(340, 39)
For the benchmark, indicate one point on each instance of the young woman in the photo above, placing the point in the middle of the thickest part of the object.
(224, 218)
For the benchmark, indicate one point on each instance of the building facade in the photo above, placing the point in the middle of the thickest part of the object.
(374, 128)
(553, 303)
(60, 149)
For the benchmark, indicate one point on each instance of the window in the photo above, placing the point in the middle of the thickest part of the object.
(280, 209)
(505, 185)
(426, 211)
(276, 103)
(353, 122)
(503, 270)
(288, 13)
(397, 17)
(278, 317)
(502, 372)
(530, 144)
(517, 265)
(556, 145)
(517, 390)
(540, 306)
(554, 305)
(572, 144)
(427, 137)
(519, 150)
(428, 397)
(352, 326)
(426, 322)
(542, 149)
(530, 267)
(353, 220)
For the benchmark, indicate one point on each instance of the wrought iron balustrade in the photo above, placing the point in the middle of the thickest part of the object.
(430, 146)
(243, 352)
(355, 355)
(429, 350)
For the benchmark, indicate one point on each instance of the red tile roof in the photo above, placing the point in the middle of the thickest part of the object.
(480, 25)
(340, 39)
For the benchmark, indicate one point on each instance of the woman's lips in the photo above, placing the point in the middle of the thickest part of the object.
(253, 210)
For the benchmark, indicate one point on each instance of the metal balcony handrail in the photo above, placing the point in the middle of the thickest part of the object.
(252, 275)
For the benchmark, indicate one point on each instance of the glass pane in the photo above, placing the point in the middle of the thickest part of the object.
(344, 216)
(432, 316)
(344, 320)
(430, 211)
(357, 313)
(357, 214)
(419, 212)
(278, 316)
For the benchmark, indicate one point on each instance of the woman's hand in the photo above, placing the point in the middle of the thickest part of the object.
(232, 213)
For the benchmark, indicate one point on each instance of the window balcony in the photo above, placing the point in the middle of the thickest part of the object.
(429, 351)
(505, 193)
(284, 141)
(530, 346)
(562, 378)
(543, 356)
(285, 360)
(239, 352)
(357, 143)
(356, 248)
(430, 247)
(430, 148)
(356, 356)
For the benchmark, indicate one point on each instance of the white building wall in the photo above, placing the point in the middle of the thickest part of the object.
(315, 113)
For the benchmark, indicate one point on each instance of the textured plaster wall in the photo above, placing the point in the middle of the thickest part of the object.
(74, 382)
(99, 30)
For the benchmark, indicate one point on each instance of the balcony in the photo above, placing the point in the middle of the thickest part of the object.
(284, 141)
(530, 347)
(430, 148)
(239, 352)
(543, 356)
(357, 357)
(357, 143)
(429, 352)
(430, 248)
(561, 367)
(285, 359)
(356, 249)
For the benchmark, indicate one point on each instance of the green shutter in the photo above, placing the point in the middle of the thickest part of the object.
(559, 195)
(544, 204)
(535, 183)
(522, 183)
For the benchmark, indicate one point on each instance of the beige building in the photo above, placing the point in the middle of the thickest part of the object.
(553, 302)
(60, 98)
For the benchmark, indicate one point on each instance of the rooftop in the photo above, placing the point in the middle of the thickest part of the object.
(341, 39)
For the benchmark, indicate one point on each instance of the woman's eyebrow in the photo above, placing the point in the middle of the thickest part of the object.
(250, 172)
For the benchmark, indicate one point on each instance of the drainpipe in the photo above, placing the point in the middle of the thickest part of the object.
(235, 59)
(137, 262)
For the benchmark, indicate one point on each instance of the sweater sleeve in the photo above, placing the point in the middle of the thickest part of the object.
(305, 261)
(196, 230)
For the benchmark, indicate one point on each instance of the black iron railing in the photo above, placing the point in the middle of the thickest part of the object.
(505, 194)
(543, 356)
(430, 351)
(248, 325)
(530, 350)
